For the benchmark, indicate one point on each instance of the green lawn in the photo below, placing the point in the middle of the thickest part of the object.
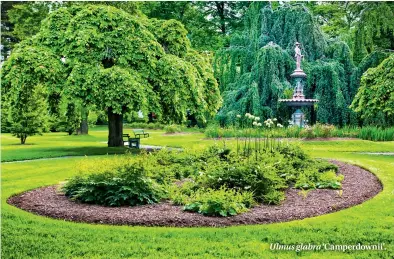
(28, 236)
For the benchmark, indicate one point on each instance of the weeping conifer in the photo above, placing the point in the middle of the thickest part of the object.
(254, 71)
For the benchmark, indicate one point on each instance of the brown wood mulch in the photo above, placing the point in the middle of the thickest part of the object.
(358, 185)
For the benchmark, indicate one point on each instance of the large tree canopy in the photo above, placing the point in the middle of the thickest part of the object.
(254, 72)
(122, 63)
(374, 28)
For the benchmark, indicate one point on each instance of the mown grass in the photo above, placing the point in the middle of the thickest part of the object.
(25, 235)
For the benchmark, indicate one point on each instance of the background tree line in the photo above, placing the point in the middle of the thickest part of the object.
(342, 40)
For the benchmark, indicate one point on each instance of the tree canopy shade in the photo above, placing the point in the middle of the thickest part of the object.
(375, 96)
(120, 63)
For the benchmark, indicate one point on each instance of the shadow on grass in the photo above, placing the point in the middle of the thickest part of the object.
(63, 151)
(19, 144)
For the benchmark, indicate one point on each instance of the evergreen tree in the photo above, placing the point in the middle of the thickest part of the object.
(374, 29)
(254, 72)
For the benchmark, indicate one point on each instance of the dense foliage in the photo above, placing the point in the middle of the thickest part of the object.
(375, 96)
(29, 76)
(216, 181)
(121, 63)
(221, 202)
(374, 29)
(122, 183)
(105, 70)
(318, 130)
(28, 113)
(254, 71)
(208, 22)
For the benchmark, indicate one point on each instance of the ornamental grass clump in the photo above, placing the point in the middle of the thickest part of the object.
(249, 128)
(376, 134)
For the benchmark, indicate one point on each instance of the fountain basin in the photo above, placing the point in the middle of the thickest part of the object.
(299, 103)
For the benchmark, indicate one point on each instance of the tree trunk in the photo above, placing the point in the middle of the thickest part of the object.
(23, 138)
(220, 9)
(115, 129)
(313, 116)
(84, 121)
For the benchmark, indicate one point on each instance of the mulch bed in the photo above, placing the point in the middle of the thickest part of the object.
(359, 185)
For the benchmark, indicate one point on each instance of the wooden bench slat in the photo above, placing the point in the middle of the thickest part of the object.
(140, 132)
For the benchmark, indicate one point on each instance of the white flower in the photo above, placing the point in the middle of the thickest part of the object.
(251, 117)
(274, 119)
(254, 123)
(247, 115)
(279, 125)
(256, 118)
(238, 116)
(259, 124)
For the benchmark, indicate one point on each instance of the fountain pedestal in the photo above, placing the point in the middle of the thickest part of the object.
(298, 100)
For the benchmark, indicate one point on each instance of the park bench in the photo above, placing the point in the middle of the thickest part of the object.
(140, 132)
(133, 142)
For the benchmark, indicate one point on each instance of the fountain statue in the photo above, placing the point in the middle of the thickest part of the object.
(298, 56)
(298, 100)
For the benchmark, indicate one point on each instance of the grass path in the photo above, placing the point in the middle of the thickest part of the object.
(25, 235)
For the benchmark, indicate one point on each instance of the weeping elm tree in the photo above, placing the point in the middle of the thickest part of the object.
(120, 63)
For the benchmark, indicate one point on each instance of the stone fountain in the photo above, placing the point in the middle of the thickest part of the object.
(298, 100)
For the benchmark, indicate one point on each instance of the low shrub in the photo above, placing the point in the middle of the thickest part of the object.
(125, 184)
(274, 197)
(310, 132)
(179, 193)
(213, 131)
(173, 128)
(215, 181)
(329, 180)
(143, 125)
(243, 174)
(221, 202)
(312, 179)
